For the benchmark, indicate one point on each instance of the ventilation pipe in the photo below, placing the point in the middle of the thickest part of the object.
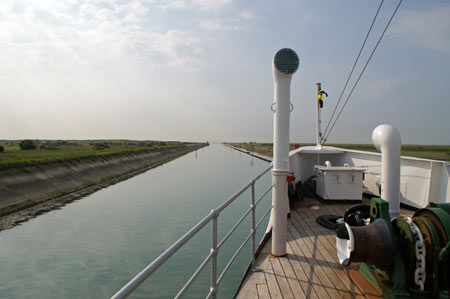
(387, 140)
(285, 64)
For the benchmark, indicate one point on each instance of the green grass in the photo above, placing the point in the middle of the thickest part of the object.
(13, 156)
(434, 152)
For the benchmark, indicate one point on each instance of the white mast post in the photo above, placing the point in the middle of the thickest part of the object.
(285, 64)
(319, 122)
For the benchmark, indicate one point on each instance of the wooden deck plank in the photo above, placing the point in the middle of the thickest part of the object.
(307, 268)
(313, 210)
(336, 209)
(330, 258)
(304, 213)
(296, 288)
(249, 292)
(252, 280)
(307, 286)
(331, 247)
(311, 264)
(272, 283)
(312, 244)
(261, 265)
(281, 278)
(327, 246)
(308, 216)
(263, 291)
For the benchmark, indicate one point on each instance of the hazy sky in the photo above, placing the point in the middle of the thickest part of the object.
(198, 70)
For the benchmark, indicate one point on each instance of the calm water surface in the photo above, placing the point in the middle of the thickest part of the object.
(93, 246)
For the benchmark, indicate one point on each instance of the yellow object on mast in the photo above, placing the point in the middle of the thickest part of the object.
(320, 94)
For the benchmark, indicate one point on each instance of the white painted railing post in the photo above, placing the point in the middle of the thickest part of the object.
(214, 257)
(285, 64)
(253, 229)
(387, 140)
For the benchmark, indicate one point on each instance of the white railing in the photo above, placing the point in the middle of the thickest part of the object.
(213, 216)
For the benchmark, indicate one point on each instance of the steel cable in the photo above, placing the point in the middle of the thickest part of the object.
(362, 72)
(353, 68)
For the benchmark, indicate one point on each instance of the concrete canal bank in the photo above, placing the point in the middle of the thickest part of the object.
(42, 187)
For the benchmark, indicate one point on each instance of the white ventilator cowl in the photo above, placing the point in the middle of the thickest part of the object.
(387, 140)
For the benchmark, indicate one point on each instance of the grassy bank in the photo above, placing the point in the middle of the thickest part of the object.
(28, 190)
(50, 151)
(434, 152)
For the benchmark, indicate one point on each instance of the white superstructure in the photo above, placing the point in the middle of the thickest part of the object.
(421, 180)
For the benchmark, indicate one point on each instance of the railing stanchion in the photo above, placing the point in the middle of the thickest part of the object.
(214, 257)
(253, 231)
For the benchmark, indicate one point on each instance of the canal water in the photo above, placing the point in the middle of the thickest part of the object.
(91, 247)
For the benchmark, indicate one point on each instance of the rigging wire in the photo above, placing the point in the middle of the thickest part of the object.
(362, 72)
(353, 68)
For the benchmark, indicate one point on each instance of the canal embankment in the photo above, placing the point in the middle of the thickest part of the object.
(253, 153)
(44, 186)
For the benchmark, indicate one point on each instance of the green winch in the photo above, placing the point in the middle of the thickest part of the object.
(402, 257)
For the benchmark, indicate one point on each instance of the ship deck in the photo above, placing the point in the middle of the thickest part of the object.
(311, 268)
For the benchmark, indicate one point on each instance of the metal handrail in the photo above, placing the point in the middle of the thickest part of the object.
(194, 276)
(234, 257)
(126, 290)
(262, 218)
(234, 228)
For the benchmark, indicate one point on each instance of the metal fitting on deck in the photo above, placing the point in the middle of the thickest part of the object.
(214, 213)
(214, 252)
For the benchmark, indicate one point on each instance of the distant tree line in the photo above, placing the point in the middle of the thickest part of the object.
(27, 145)
(100, 145)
